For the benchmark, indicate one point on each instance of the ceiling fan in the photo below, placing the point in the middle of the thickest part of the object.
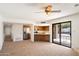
(49, 9)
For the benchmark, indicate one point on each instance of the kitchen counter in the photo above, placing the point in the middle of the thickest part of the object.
(41, 37)
(40, 34)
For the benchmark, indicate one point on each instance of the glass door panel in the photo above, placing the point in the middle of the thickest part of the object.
(56, 33)
(65, 34)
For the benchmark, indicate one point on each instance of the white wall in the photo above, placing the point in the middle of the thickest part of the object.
(32, 33)
(1, 34)
(17, 32)
(75, 28)
(23, 21)
(7, 30)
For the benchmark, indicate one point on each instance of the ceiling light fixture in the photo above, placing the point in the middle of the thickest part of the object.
(48, 9)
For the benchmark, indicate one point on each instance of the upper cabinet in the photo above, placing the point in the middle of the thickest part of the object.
(41, 28)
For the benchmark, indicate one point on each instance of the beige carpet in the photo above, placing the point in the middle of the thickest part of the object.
(28, 48)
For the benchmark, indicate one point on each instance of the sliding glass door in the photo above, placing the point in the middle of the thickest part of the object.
(56, 33)
(61, 33)
(65, 34)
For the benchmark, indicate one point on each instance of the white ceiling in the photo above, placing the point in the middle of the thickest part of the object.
(27, 11)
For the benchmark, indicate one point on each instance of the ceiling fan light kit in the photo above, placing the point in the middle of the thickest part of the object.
(49, 9)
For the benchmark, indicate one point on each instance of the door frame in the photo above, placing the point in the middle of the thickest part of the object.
(10, 30)
(60, 33)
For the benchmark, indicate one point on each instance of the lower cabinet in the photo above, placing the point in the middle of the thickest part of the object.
(41, 38)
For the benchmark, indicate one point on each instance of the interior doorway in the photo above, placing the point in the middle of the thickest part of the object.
(7, 32)
(26, 32)
(61, 33)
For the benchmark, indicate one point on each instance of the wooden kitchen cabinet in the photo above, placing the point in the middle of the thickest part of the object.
(41, 38)
(42, 28)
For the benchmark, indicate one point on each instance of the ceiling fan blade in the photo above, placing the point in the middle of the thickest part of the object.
(38, 12)
(56, 11)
